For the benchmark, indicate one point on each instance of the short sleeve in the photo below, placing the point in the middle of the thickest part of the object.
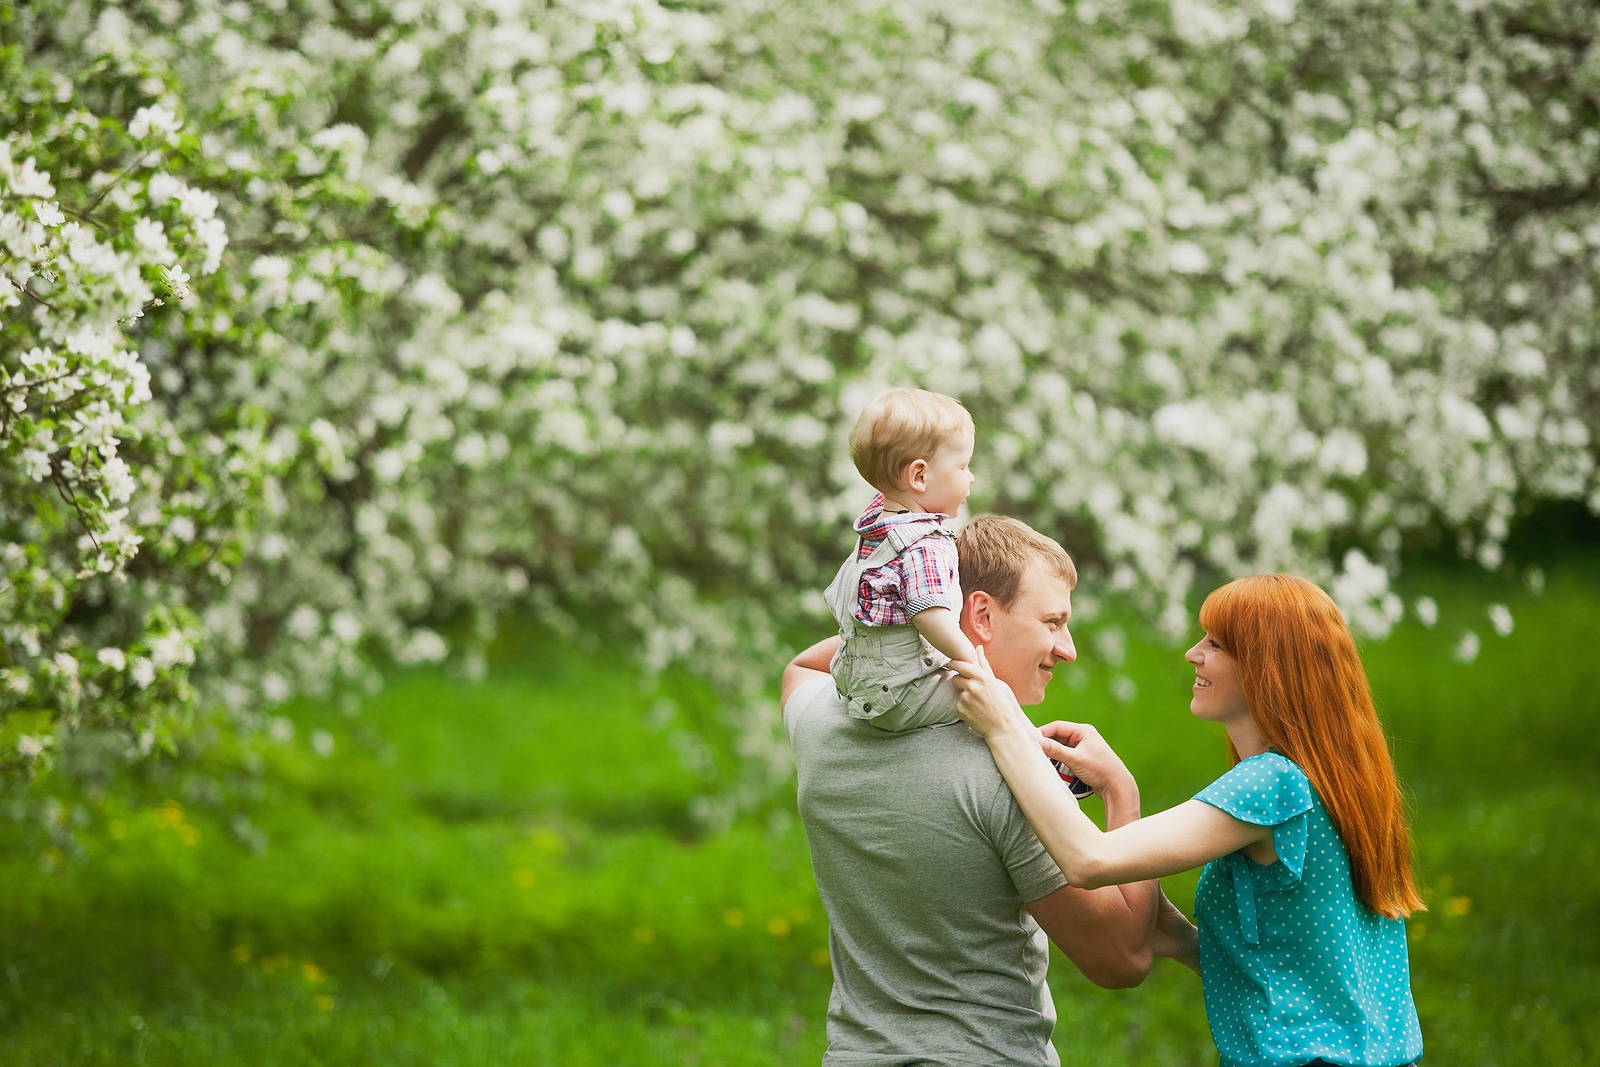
(929, 572)
(1032, 870)
(1268, 790)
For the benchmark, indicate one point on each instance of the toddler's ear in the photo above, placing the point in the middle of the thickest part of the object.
(915, 475)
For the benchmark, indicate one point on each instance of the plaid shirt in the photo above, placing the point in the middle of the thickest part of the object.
(923, 576)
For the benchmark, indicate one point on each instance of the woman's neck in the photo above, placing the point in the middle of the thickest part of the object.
(1246, 738)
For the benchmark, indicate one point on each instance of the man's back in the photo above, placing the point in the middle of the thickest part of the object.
(924, 863)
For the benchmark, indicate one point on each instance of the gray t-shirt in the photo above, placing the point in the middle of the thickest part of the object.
(924, 862)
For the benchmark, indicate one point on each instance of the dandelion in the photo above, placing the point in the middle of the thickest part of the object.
(1500, 618)
(1467, 647)
(1427, 611)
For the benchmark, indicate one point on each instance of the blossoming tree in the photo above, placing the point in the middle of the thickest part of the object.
(334, 329)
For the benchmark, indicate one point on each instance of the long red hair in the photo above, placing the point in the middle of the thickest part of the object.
(1306, 690)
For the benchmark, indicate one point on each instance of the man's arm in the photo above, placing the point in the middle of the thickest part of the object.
(1108, 933)
(807, 665)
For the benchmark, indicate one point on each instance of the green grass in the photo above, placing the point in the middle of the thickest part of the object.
(509, 872)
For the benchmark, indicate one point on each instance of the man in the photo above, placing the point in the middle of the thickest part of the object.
(938, 893)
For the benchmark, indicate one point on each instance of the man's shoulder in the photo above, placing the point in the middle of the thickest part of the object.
(822, 732)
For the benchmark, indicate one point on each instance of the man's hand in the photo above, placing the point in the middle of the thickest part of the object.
(1176, 938)
(1085, 754)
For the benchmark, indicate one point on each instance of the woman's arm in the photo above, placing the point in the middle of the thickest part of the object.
(1174, 840)
(807, 665)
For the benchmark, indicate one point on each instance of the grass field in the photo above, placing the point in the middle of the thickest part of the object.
(508, 872)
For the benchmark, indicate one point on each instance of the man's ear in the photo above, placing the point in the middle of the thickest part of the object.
(977, 617)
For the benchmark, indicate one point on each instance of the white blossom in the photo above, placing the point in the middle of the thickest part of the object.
(154, 121)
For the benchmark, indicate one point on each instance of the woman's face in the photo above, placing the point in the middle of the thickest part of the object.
(1218, 692)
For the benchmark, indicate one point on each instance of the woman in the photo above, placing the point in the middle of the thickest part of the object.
(1307, 857)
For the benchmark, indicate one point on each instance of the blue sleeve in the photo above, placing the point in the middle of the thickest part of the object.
(1267, 790)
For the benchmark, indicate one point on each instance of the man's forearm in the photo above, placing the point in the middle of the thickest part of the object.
(808, 664)
(1143, 898)
(818, 656)
(1121, 803)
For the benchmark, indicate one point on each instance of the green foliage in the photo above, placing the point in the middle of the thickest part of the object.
(508, 872)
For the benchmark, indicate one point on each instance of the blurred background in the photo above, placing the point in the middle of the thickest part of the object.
(422, 443)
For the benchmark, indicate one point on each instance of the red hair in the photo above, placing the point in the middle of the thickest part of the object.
(1306, 690)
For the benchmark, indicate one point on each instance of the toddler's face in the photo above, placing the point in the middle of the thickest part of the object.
(949, 479)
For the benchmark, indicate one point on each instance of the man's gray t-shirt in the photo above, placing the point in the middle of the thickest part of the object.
(924, 862)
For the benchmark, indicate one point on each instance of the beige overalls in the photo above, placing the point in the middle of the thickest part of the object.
(888, 675)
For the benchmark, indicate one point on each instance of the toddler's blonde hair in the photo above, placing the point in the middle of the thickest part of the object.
(902, 425)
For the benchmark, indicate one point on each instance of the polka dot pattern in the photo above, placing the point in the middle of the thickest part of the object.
(1294, 965)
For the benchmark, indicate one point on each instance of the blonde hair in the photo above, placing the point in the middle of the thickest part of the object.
(902, 425)
(994, 552)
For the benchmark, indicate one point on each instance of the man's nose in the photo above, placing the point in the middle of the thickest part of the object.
(1065, 650)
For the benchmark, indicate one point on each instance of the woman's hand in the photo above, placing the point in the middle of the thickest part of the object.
(1080, 748)
(987, 704)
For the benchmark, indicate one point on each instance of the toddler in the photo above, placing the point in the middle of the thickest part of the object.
(898, 597)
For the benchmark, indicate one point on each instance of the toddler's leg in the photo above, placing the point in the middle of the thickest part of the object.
(929, 701)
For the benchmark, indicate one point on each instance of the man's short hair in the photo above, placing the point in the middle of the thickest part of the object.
(902, 425)
(994, 552)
